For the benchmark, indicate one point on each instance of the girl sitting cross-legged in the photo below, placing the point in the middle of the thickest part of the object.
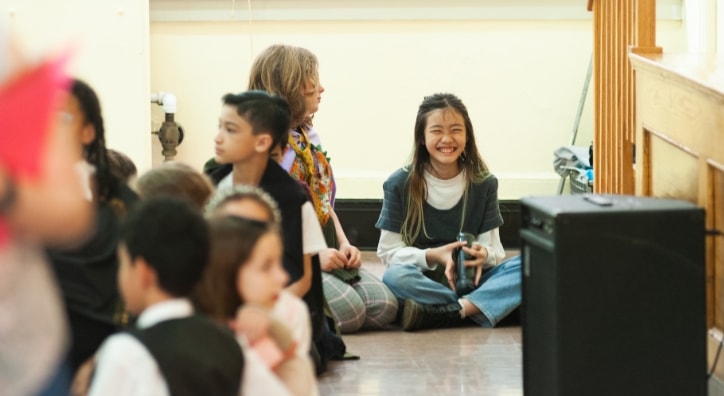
(446, 189)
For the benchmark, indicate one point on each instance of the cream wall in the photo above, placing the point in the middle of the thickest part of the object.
(520, 78)
(701, 32)
(109, 41)
(519, 65)
(719, 21)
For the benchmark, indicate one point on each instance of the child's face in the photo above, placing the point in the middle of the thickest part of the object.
(83, 131)
(261, 279)
(312, 96)
(445, 137)
(129, 281)
(51, 206)
(235, 140)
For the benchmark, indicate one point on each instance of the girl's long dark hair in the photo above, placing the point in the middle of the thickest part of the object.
(106, 183)
(470, 161)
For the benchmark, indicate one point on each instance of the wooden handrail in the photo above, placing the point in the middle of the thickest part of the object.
(646, 23)
(620, 26)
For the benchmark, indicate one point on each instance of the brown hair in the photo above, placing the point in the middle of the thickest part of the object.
(283, 70)
(121, 165)
(232, 242)
(176, 179)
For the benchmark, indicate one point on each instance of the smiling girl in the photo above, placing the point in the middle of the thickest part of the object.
(446, 189)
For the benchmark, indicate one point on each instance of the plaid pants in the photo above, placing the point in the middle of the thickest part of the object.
(365, 304)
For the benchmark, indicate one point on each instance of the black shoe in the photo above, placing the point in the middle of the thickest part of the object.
(416, 316)
(512, 319)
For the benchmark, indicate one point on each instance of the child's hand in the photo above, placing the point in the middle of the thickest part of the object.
(332, 259)
(252, 322)
(354, 257)
(443, 255)
(82, 379)
(479, 255)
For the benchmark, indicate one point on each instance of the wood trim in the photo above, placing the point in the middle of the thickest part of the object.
(646, 25)
(620, 27)
(714, 338)
(680, 101)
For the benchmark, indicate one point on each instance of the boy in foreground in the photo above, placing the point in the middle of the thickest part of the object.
(170, 351)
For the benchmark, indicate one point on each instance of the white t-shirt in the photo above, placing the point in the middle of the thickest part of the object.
(258, 379)
(291, 311)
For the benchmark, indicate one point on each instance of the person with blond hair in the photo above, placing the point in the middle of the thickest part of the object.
(356, 298)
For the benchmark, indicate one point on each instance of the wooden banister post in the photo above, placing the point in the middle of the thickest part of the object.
(620, 26)
(646, 28)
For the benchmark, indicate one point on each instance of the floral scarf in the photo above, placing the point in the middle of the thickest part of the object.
(311, 166)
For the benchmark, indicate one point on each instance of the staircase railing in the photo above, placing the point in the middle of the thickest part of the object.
(619, 26)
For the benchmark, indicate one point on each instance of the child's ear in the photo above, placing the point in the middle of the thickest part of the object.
(263, 143)
(147, 274)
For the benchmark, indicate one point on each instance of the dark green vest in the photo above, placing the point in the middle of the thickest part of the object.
(195, 355)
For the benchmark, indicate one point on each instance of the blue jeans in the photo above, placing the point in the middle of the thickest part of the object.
(497, 294)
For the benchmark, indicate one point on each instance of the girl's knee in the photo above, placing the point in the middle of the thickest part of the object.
(512, 263)
(351, 325)
(380, 313)
(351, 317)
(395, 275)
(347, 307)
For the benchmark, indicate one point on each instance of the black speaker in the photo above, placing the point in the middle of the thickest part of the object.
(613, 296)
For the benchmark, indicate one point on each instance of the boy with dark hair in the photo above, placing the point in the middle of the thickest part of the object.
(163, 251)
(251, 124)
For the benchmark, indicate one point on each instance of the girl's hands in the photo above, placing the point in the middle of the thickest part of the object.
(347, 257)
(354, 257)
(331, 259)
(443, 255)
(479, 256)
(252, 322)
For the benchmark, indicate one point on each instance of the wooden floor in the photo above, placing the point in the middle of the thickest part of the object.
(461, 361)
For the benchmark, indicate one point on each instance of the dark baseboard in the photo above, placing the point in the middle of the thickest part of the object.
(358, 218)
